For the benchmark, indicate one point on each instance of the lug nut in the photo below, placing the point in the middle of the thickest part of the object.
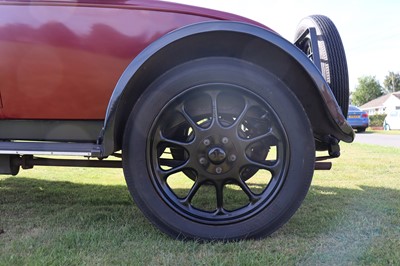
(225, 140)
(206, 142)
(232, 157)
(202, 161)
(218, 170)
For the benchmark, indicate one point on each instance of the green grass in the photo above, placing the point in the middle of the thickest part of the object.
(78, 216)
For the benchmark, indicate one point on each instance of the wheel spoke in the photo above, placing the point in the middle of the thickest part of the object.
(164, 174)
(252, 197)
(196, 128)
(193, 190)
(170, 162)
(220, 198)
(267, 139)
(271, 166)
(240, 117)
(214, 106)
(266, 135)
(185, 145)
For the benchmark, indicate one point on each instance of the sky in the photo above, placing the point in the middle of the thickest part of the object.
(370, 29)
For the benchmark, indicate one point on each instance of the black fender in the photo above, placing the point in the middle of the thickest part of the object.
(232, 39)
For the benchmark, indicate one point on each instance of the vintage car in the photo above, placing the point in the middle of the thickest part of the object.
(214, 118)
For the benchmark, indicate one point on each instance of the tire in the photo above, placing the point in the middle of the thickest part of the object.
(238, 118)
(361, 130)
(333, 58)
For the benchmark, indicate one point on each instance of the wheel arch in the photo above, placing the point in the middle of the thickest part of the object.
(230, 39)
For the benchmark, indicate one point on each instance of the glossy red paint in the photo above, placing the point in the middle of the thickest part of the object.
(61, 60)
(1, 107)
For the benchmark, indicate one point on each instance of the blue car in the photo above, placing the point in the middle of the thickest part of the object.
(357, 118)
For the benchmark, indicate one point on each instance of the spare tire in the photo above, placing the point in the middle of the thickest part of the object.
(332, 56)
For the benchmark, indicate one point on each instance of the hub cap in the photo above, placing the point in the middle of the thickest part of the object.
(217, 155)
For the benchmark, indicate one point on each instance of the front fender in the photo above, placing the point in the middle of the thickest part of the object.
(234, 39)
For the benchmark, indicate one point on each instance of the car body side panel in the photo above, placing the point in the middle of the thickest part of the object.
(62, 61)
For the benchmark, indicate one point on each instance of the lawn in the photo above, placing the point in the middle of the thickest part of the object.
(54, 216)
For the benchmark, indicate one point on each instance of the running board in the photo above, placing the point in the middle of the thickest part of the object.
(51, 148)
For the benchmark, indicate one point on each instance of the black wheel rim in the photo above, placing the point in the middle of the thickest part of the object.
(217, 154)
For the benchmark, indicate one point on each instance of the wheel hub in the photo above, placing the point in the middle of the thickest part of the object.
(217, 154)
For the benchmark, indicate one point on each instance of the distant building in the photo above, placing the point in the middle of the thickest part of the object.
(383, 105)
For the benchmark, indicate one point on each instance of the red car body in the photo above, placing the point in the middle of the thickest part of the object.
(75, 52)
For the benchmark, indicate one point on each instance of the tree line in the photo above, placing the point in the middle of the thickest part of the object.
(369, 88)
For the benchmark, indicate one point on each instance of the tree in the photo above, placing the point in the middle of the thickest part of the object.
(391, 82)
(368, 88)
